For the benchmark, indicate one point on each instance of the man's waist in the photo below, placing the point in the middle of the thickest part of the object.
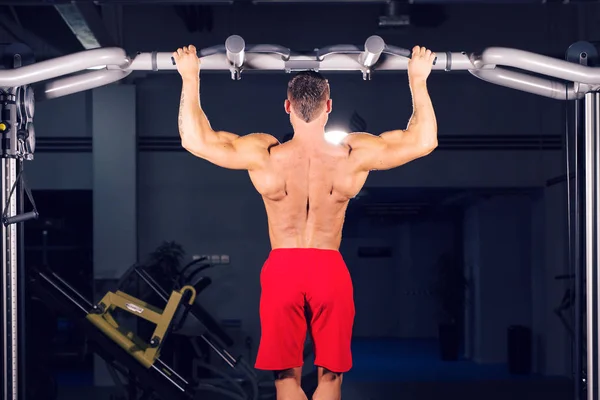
(304, 252)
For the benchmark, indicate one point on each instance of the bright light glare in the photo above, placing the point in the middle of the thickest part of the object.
(335, 137)
(98, 67)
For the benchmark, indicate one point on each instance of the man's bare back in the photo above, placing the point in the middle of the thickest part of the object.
(306, 187)
(306, 184)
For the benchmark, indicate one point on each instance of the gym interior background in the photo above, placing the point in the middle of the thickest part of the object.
(487, 210)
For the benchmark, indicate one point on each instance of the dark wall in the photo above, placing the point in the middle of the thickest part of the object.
(215, 211)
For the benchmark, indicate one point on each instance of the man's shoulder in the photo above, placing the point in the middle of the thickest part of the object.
(358, 139)
(262, 138)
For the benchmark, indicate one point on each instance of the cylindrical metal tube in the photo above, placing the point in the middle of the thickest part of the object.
(235, 50)
(594, 352)
(78, 83)
(578, 266)
(10, 286)
(373, 48)
(64, 65)
(528, 83)
(590, 242)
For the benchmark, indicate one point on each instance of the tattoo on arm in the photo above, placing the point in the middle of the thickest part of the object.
(180, 118)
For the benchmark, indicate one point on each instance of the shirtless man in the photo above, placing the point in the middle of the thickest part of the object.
(306, 184)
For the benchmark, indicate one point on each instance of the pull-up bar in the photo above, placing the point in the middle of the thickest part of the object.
(112, 64)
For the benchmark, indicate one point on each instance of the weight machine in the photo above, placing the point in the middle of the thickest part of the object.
(572, 79)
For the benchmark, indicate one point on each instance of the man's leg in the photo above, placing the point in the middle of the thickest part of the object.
(330, 385)
(283, 323)
(331, 301)
(287, 384)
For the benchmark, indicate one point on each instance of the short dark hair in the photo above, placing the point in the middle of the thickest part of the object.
(307, 91)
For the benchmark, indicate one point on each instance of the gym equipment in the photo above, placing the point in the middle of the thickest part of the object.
(200, 327)
(145, 353)
(18, 144)
(200, 324)
(113, 64)
(181, 316)
(571, 79)
(149, 374)
(136, 359)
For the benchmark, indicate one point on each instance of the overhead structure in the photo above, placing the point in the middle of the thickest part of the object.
(572, 79)
(112, 64)
(84, 20)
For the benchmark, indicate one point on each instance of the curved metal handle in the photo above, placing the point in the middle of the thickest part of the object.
(192, 298)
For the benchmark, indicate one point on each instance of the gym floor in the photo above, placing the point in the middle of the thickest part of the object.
(407, 370)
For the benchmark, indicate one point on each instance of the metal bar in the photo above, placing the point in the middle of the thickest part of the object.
(165, 366)
(63, 292)
(10, 292)
(78, 83)
(274, 61)
(64, 65)
(160, 371)
(269, 48)
(540, 64)
(578, 266)
(596, 191)
(10, 286)
(268, 57)
(86, 301)
(589, 245)
(527, 83)
(23, 295)
(152, 283)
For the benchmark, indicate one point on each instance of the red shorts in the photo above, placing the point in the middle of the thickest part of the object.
(305, 289)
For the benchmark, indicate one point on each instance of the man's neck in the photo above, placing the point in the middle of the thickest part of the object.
(312, 136)
(311, 131)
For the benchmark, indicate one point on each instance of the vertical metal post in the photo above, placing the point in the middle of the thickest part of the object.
(592, 184)
(10, 284)
(578, 264)
(23, 300)
(575, 254)
(586, 143)
(574, 215)
(595, 126)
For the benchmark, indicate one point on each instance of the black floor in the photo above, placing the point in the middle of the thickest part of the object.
(498, 390)
(400, 369)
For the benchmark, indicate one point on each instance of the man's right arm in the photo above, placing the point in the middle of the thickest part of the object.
(398, 147)
(221, 148)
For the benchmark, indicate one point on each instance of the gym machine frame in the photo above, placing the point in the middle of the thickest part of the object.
(569, 79)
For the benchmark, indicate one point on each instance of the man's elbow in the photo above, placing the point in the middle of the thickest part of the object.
(426, 147)
(193, 146)
(186, 144)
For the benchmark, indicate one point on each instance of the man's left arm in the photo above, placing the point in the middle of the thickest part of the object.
(394, 148)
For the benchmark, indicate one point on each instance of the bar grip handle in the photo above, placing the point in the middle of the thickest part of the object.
(209, 51)
(401, 52)
(20, 218)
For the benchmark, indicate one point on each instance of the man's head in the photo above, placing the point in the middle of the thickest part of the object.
(308, 96)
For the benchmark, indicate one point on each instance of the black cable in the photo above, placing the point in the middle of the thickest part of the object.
(570, 258)
(575, 255)
(568, 178)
